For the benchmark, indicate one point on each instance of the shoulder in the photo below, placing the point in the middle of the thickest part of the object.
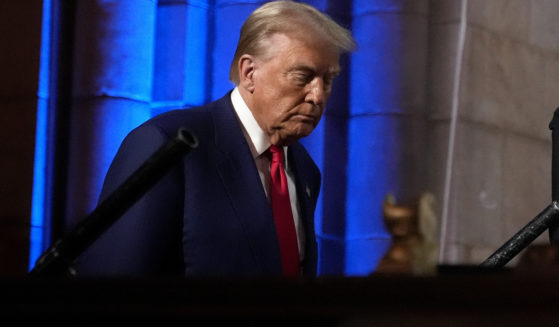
(198, 120)
(170, 122)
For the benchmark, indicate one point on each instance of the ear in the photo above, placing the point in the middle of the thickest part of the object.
(247, 66)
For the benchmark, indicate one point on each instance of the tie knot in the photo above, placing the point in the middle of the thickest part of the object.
(277, 153)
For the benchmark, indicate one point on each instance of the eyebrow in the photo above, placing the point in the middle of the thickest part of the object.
(333, 72)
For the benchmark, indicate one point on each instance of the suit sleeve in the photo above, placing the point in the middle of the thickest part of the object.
(146, 240)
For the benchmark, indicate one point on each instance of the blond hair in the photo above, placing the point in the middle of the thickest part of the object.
(286, 17)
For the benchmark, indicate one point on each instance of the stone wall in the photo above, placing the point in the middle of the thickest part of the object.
(496, 174)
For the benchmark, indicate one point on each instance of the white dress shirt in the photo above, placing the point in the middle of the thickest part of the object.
(258, 142)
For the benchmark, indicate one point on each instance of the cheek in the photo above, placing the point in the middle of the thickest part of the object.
(278, 114)
(286, 110)
(278, 102)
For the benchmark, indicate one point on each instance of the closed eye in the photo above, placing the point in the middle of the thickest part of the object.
(301, 78)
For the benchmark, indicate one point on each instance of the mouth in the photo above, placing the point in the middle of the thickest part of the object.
(307, 119)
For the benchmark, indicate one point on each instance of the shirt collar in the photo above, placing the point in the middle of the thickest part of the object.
(258, 140)
(256, 137)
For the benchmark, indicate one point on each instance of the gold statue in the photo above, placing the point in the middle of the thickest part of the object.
(413, 228)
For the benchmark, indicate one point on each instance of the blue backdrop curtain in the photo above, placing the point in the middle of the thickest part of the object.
(137, 58)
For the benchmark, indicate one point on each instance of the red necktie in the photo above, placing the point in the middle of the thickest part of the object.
(283, 216)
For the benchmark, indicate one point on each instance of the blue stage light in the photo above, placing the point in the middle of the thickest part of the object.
(39, 231)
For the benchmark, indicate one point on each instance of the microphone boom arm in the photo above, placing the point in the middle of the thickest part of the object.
(57, 260)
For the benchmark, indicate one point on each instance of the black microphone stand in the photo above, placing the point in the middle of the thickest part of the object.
(546, 219)
(57, 260)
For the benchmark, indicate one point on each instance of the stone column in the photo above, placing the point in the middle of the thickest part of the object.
(229, 17)
(181, 68)
(112, 88)
(327, 146)
(386, 124)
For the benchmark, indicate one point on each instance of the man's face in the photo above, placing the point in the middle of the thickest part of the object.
(291, 84)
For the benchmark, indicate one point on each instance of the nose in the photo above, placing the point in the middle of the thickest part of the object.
(317, 94)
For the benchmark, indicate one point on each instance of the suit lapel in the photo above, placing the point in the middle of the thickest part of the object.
(307, 194)
(240, 177)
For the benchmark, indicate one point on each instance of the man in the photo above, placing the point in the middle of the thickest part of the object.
(243, 202)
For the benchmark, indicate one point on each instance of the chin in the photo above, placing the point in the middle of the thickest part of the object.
(297, 132)
(303, 132)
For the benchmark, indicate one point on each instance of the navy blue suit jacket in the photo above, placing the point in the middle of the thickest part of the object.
(209, 215)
